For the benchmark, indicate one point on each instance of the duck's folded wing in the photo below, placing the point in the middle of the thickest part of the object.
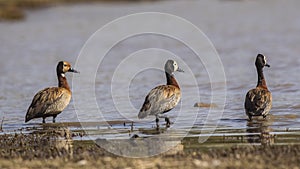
(257, 101)
(160, 99)
(43, 99)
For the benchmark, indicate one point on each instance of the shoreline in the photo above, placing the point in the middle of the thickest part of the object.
(52, 148)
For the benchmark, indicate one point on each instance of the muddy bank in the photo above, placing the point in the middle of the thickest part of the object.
(57, 149)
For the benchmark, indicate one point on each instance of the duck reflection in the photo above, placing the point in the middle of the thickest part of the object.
(258, 131)
(145, 143)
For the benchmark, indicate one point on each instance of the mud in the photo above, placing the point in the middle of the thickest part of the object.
(57, 148)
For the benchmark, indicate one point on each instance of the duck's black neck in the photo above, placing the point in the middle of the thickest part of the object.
(261, 82)
(62, 81)
(171, 80)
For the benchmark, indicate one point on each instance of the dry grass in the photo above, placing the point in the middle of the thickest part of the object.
(14, 9)
(236, 157)
(11, 12)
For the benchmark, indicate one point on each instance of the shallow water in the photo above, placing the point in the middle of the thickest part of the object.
(30, 50)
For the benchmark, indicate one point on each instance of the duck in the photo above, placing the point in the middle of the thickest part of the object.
(163, 98)
(52, 101)
(258, 101)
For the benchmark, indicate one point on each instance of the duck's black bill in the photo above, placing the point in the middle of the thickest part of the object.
(180, 70)
(268, 65)
(73, 70)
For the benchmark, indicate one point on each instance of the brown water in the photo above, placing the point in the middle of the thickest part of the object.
(30, 50)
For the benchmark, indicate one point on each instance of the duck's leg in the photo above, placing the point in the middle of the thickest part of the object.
(131, 127)
(157, 120)
(168, 123)
(44, 119)
(54, 118)
(250, 118)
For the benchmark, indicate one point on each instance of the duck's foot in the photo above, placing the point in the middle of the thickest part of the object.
(157, 120)
(168, 123)
(131, 127)
(250, 118)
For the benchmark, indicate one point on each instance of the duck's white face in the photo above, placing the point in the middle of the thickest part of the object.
(175, 66)
(265, 60)
(171, 66)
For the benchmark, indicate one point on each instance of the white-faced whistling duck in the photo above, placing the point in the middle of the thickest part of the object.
(52, 100)
(163, 98)
(258, 101)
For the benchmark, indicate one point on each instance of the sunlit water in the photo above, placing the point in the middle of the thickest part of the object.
(30, 50)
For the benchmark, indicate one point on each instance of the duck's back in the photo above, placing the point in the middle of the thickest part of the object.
(160, 99)
(48, 102)
(258, 102)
